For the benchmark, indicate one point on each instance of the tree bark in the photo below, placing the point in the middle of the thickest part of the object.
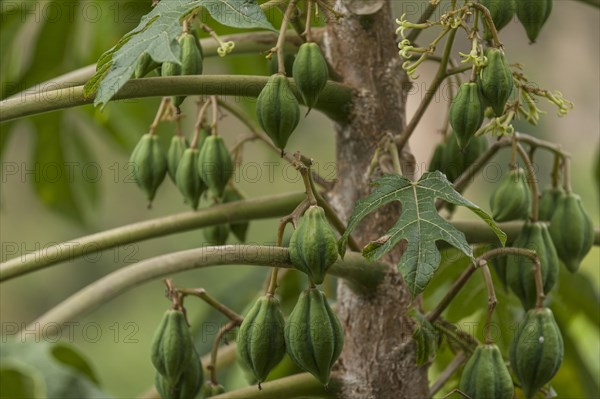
(378, 360)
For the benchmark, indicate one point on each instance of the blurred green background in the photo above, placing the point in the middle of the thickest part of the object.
(43, 39)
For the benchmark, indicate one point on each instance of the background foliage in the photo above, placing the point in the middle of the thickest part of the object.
(38, 210)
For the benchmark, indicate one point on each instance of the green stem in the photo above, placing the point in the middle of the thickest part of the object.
(295, 386)
(202, 294)
(358, 271)
(333, 101)
(238, 211)
(435, 84)
(412, 36)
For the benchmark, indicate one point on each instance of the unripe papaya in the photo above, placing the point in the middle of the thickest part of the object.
(536, 351)
(502, 11)
(466, 112)
(456, 160)
(172, 69)
(436, 162)
(239, 229)
(572, 231)
(188, 180)
(313, 335)
(512, 199)
(313, 245)
(216, 235)
(187, 387)
(548, 202)
(172, 347)
(519, 269)
(215, 165)
(191, 55)
(485, 375)
(174, 154)
(260, 340)
(288, 62)
(144, 66)
(277, 110)
(310, 73)
(533, 14)
(496, 81)
(149, 164)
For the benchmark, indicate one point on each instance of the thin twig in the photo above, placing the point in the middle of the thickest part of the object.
(492, 300)
(202, 294)
(533, 183)
(214, 353)
(281, 39)
(159, 114)
(448, 372)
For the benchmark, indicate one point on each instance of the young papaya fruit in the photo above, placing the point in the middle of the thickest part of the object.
(172, 347)
(572, 231)
(486, 376)
(533, 14)
(149, 164)
(313, 245)
(313, 335)
(466, 112)
(176, 148)
(215, 166)
(512, 199)
(144, 66)
(277, 110)
(260, 340)
(536, 351)
(310, 73)
(502, 12)
(496, 81)
(187, 387)
(191, 54)
(187, 178)
(519, 269)
(172, 69)
(548, 202)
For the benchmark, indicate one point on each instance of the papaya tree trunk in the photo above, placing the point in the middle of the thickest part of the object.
(378, 360)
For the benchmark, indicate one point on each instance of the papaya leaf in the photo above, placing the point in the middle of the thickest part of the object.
(157, 35)
(419, 224)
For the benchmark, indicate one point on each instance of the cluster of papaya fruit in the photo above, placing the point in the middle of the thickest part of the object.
(312, 335)
(532, 14)
(277, 107)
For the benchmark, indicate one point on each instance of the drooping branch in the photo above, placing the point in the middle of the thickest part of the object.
(238, 211)
(333, 101)
(361, 273)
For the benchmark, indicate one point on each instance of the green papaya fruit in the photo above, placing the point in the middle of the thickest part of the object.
(260, 340)
(486, 376)
(572, 231)
(548, 202)
(511, 200)
(187, 387)
(536, 351)
(191, 54)
(172, 69)
(240, 229)
(533, 14)
(172, 347)
(310, 73)
(519, 269)
(277, 110)
(288, 62)
(144, 66)
(313, 245)
(436, 162)
(176, 148)
(496, 81)
(502, 12)
(466, 112)
(188, 180)
(215, 165)
(313, 335)
(149, 164)
(216, 235)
